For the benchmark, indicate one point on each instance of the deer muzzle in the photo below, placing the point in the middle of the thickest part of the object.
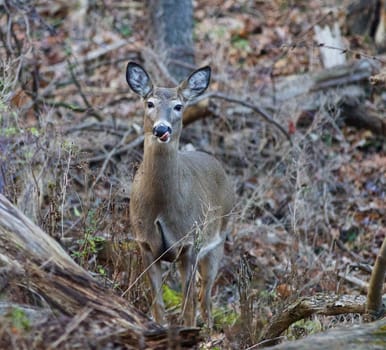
(162, 130)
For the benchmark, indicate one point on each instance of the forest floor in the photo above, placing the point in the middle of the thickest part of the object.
(310, 216)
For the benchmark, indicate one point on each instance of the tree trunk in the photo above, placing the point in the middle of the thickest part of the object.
(367, 18)
(374, 304)
(171, 33)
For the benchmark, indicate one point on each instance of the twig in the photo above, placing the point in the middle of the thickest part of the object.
(334, 234)
(76, 321)
(357, 54)
(66, 105)
(58, 70)
(43, 92)
(108, 158)
(266, 342)
(90, 56)
(164, 71)
(257, 109)
(180, 63)
(97, 126)
(342, 246)
(354, 280)
(84, 98)
(286, 48)
(64, 190)
(175, 244)
(118, 150)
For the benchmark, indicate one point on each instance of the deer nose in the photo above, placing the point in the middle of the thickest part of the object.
(163, 131)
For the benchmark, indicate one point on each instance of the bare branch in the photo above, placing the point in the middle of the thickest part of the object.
(118, 150)
(263, 113)
(84, 98)
(327, 305)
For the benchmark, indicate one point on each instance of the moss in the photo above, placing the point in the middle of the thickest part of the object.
(172, 299)
(304, 327)
(381, 331)
(223, 317)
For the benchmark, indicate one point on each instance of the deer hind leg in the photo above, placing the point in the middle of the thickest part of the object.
(154, 272)
(187, 268)
(208, 265)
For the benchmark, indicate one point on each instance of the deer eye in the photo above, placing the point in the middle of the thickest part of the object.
(150, 104)
(178, 107)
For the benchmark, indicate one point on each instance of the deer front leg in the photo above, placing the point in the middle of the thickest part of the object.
(187, 269)
(154, 273)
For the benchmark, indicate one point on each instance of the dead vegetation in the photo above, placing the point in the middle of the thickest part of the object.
(311, 212)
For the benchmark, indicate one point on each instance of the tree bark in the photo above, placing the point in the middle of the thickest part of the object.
(367, 18)
(171, 35)
(364, 337)
(327, 305)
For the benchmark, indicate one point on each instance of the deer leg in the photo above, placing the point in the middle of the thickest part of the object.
(187, 271)
(154, 273)
(208, 268)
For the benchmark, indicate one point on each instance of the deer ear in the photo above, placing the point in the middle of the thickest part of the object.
(138, 79)
(196, 83)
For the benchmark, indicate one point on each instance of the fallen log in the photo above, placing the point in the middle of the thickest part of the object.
(93, 314)
(339, 90)
(371, 308)
(324, 304)
(371, 336)
(356, 113)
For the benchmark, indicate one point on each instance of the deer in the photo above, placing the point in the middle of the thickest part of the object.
(180, 201)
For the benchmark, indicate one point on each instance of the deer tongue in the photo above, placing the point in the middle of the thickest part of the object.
(165, 136)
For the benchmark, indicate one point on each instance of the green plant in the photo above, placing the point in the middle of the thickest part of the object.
(240, 43)
(125, 30)
(223, 317)
(101, 270)
(89, 244)
(172, 299)
(304, 327)
(10, 131)
(34, 131)
(19, 319)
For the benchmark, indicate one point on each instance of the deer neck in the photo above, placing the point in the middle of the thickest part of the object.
(160, 163)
